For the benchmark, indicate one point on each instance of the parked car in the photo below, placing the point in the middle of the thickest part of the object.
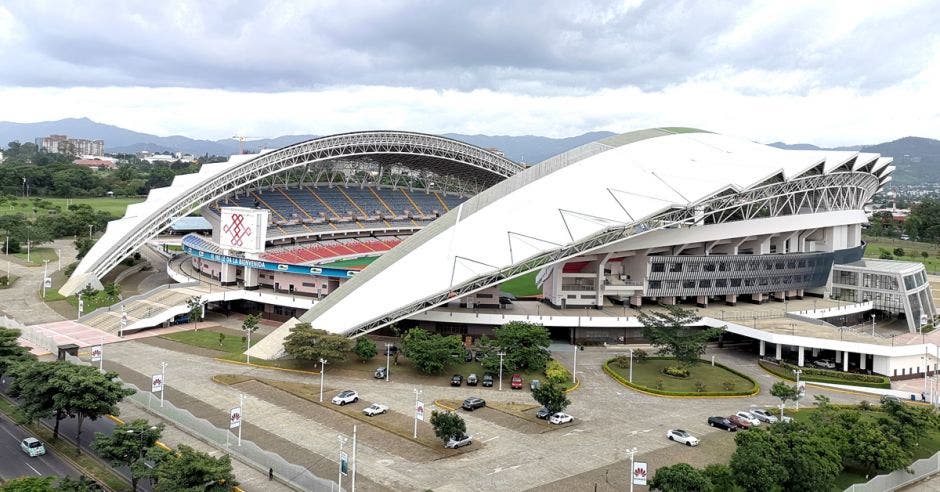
(682, 436)
(472, 379)
(764, 415)
(543, 413)
(380, 373)
(890, 398)
(344, 397)
(473, 403)
(32, 446)
(516, 382)
(741, 422)
(534, 384)
(457, 380)
(479, 355)
(458, 441)
(392, 350)
(375, 409)
(488, 380)
(825, 364)
(468, 356)
(751, 419)
(560, 418)
(722, 423)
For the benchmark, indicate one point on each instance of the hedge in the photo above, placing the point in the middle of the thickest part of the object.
(814, 375)
(755, 390)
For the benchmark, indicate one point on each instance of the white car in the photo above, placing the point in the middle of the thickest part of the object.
(560, 418)
(682, 436)
(825, 364)
(375, 409)
(348, 396)
(458, 442)
(749, 417)
(32, 446)
(764, 415)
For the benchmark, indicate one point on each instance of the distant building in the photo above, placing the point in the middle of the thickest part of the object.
(96, 164)
(168, 157)
(1, 157)
(61, 144)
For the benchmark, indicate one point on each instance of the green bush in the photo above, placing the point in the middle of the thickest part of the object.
(640, 356)
(658, 391)
(676, 372)
(813, 374)
(622, 361)
(556, 373)
(700, 386)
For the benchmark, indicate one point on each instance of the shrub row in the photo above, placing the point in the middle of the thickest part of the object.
(753, 391)
(785, 371)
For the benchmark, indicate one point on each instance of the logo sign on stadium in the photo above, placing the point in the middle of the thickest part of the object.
(243, 229)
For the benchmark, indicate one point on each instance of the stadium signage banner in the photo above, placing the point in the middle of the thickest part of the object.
(243, 229)
(266, 265)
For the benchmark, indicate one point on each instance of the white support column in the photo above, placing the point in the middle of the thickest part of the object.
(838, 356)
(251, 278)
(799, 356)
(845, 361)
(815, 352)
(227, 274)
(763, 348)
(779, 351)
(862, 359)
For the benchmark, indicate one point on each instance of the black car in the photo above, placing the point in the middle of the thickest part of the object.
(479, 355)
(488, 380)
(457, 380)
(722, 423)
(543, 413)
(473, 403)
(468, 356)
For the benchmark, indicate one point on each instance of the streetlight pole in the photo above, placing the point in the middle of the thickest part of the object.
(163, 378)
(45, 274)
(322, 373)
(241, 408)
(632, 452)
(574, 365)
(872, 325)
(501, 354)
(388, 356)
(797, 372)
(353, 471)
(417, 395)
(342, 440)
(631, 364)
(248, 352)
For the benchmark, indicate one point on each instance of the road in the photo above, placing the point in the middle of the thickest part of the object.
(16, 463)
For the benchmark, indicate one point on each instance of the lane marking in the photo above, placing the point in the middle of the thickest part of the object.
(490, 439)
(33, 469)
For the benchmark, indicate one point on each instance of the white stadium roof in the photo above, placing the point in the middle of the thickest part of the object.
(615, 183)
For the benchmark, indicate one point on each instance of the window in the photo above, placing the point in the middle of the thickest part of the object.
(704, 284)
(688, 284)
(721, 283)
(735, 282)
(656, 284)
(675, 267)
(658, 267)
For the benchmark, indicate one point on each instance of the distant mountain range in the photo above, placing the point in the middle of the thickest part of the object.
(917, 159)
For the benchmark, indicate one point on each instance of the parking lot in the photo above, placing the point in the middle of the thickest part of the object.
(507, 455)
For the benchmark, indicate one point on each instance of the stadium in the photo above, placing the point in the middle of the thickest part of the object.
(360, 231)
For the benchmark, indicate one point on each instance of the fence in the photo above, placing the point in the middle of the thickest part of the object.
(138, 297)
(35, 337)
(892, 481)
(293, 475)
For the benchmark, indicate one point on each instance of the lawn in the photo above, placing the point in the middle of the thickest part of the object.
(114, 206)
(523, 286)
(209, 339)
(649, 374)
(912, 251)
(38, 255)
(362, 261)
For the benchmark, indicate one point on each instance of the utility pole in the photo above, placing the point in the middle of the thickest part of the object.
(501, 354)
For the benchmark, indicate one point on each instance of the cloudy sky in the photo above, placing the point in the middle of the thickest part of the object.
(830, 73)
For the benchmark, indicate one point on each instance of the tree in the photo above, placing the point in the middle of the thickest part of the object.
(430, 352)
(250, 325)
(127, 445)
(86, 393)
(80, 484)
(83, 245)
(552, 397)
(899, 252)
(785, 392)
(681, 477)
(305, 342)
(754, 464)
(447, 425)
(28, 484)
(873, 451)
(365, 349)
(194, 304)
(11, 352)
(188, 469)
(525, 346)
(33, 384)
(908, 423)
(813, 460)
(720, 476)
(671, 331)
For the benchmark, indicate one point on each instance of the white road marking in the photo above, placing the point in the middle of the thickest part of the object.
(490, 439)
(33, 469)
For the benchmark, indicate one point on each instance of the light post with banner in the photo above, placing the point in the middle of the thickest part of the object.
(638, 471)
(419, 411)
(123, 321)
(388, 356)
(46, 279)
(800, 387)
(236, 415)
(156, 384)
(343, 461)
(162, 381)
(97, 355)
(81, 305)
(322, 373)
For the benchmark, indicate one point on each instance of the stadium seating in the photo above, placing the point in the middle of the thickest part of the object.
(327, 250)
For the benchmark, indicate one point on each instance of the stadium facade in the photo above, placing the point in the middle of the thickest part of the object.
(376, 228)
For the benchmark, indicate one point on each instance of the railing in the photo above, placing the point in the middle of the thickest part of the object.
(138, 297)
(35, 337)
(294, 476)
(899, 478)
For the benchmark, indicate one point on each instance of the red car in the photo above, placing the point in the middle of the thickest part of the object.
(516, 382)
(740, 422)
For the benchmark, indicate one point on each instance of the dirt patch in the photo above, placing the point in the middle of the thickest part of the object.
(519, 417)
(230, 379)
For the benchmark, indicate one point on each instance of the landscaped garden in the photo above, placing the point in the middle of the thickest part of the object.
(818, 375)
(703, 379)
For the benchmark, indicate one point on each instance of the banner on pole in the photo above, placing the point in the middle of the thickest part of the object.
(156, 383)
(47, 282)
(81, 304)
(343, 463)
(639, 473)
(419, 410)
(96, 353)
(801, 388)
(235, 418)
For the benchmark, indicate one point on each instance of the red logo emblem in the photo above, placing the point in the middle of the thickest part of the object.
(237, 229)
(639, 472)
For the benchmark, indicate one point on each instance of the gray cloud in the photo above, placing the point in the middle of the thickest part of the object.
(531, 47)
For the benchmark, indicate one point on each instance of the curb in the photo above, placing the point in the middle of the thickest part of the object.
(274, 368)
(577, 383)
(616, 377)
(445, 407)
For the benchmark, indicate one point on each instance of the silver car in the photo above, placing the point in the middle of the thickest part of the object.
(764, 415)
(458, 442)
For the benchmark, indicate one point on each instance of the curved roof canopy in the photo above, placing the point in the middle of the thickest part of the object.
(190, 192)
(588, 198)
